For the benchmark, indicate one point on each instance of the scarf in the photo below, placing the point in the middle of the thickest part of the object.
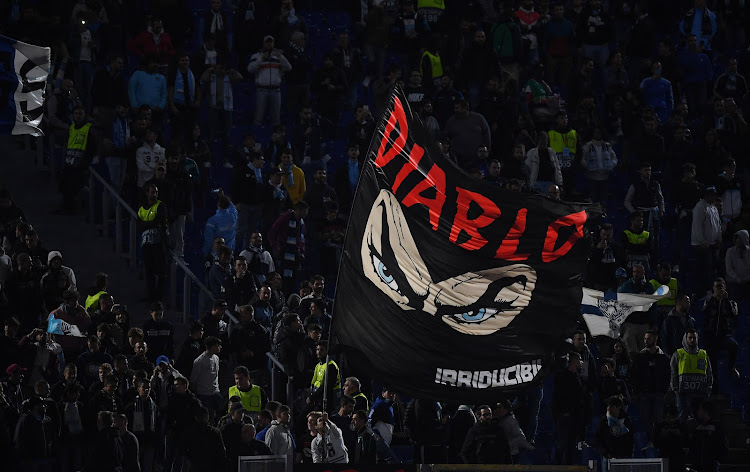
(289, 174)
(180, 97)
(210, 57)
(228, 102)
(616, 426)
(120, 133)
(217, 24)
(72, 418)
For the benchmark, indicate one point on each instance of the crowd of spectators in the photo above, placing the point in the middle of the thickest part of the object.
(634, 105)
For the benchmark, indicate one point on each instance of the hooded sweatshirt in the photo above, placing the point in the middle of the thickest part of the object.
(279, 439)
(738, 260)
(675, 382)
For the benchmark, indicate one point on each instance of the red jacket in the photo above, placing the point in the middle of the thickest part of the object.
(144, 44)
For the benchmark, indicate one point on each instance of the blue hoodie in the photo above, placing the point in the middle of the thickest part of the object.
(147, 89)
(222, 225)
(657, 93)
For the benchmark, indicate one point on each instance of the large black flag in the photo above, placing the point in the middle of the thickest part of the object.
(450, 287)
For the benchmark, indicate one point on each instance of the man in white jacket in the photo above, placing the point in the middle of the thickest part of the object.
(738, 265)
(705, 239)
(268, 66)
(328, 447)
(148, 157)
(279, 438)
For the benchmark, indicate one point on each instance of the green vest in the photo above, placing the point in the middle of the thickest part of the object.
(638, 239)
(367, 402)
(151, 235)
(78, 140)
(671, 299)
(148, 214)
(692, 371)
(320, 372)
(440, 4)
(251, 399)
(92, 300)
(564, 146)
(436, 65)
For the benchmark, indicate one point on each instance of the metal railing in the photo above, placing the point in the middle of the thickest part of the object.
(276, 368)
(178, 269)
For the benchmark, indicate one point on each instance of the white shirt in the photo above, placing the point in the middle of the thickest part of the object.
(86, 53)
(330, 448)
(147, 159)
(204, 380)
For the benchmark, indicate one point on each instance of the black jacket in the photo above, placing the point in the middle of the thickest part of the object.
(204, 448)
(106, 452)
(366, 451)
(486, 443)
(181, 411)
(721, 316)
(611, 441)
(191, 349)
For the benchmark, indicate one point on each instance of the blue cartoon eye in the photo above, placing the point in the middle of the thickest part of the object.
(477, 316)
(384, 274)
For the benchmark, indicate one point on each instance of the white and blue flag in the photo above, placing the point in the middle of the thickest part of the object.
(23, 78)
(605, 313)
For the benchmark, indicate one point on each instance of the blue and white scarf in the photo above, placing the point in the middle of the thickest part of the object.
(228, 98)
(120, 132)
(179, 87)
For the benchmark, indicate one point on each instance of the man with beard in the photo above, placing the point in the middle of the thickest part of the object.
(318, 286)
(241, 285)
(249, 341)
(649, 374)
(692, 377)
(259, 261)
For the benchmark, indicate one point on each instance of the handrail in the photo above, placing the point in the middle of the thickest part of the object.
(178, 260)
(189, 276)
(276, 361)
(113, 192)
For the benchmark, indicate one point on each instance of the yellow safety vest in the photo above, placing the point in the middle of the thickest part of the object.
(251, 399)
(692, 371)
(564, 146)
(436, 65)
(92, 300)
(671, 299)
(78, 139)
(320, 372)
(148, 214)
(431, 4)
(367, 402)
(640, 239)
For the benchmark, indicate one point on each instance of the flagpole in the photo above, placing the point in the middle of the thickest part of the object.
(324, 386)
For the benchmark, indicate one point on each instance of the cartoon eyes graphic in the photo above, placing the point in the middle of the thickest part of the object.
(478, 303)
(384, 273)
(480, 315)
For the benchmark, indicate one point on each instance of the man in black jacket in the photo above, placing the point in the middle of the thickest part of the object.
(721, 316)
(106, 453)
(191, 348)
(650, 375)
(159, 333)
(366, 450)
(486, 443)
(247, 195)
(203, 447)
(249, 341)
(567, 407)
(183, 406)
